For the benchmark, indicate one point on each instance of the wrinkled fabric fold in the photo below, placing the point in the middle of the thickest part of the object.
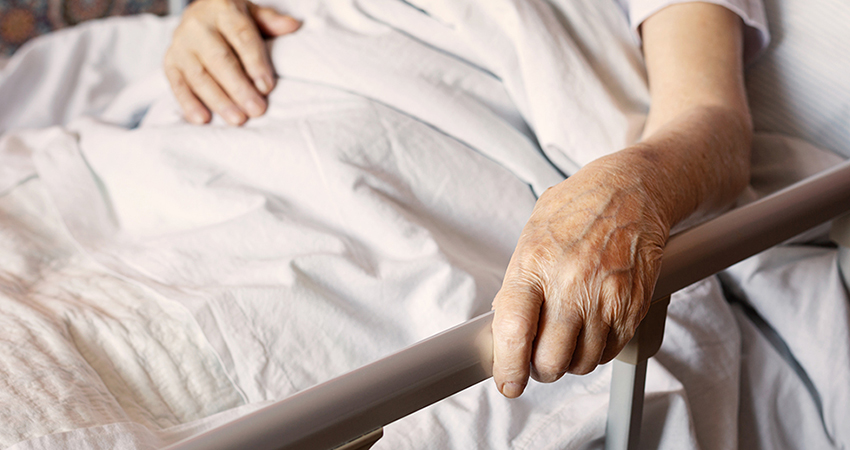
(376, 203)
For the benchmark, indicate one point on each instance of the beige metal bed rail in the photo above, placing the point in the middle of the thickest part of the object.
(350, 410)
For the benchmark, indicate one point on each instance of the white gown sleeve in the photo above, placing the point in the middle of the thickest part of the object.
(756, 34)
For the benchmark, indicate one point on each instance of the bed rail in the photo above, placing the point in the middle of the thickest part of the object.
(360, 402)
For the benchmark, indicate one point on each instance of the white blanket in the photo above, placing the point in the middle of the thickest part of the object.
(157, 275)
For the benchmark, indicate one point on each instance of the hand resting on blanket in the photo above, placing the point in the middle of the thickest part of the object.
(584, 269)
(205, 73)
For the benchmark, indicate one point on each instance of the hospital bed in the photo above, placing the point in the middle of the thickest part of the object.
(350, 410)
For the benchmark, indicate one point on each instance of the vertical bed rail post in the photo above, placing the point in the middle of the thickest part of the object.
(840, 234)
(625, 407)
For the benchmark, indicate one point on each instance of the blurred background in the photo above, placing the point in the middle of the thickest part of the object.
(22, 20)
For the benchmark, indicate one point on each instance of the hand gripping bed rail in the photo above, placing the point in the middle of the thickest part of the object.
(349, 411)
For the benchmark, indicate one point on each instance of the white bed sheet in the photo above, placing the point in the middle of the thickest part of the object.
(184, 271)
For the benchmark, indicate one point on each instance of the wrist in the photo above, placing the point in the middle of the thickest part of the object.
(640, 171)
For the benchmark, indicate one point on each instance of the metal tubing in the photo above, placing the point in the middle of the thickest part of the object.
(625, 407)
(348, 406)
(337, 411)
(738, 234)
(625, 404)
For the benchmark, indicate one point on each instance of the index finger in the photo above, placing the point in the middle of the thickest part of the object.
(517, 310)
(240, 31)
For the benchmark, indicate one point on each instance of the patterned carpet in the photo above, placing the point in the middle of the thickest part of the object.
(21, 20)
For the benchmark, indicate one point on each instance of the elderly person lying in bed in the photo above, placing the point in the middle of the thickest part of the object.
(581, 277)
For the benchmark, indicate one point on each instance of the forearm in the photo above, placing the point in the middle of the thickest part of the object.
(695, 150)
(697, 163)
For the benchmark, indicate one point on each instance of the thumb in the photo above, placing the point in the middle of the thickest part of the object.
(272, 23)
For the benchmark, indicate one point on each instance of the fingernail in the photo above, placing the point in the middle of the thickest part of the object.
(254, 108)
(511, 389)
(263, 84)
(293, 23)
(232, 116)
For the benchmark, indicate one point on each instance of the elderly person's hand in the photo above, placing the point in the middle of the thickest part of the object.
(582, 276)
(218, 61)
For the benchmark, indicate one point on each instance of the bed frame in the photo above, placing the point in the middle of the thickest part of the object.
(348, 412)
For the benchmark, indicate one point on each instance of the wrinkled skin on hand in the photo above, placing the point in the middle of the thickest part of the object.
(580, 280)
(218, 61)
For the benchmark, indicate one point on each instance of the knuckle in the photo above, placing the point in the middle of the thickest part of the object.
(653, 252)
(191, 23)
(514, 332)
(222, 66)
(244, 32)
(510, 371)
(254, 63)
(245, 92)
(231, 12)
(528, 272)
(169, 61)
(615, 311)
(583, 369)
(174, 59)
(547, 372)
(549, 192)
(227, 67)
(174, 76)
(583, 366)
(196, 74)
(184, 96)
(219, 4)
(211, 97)
(541, 253)
(220, 53)
(558, 311)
